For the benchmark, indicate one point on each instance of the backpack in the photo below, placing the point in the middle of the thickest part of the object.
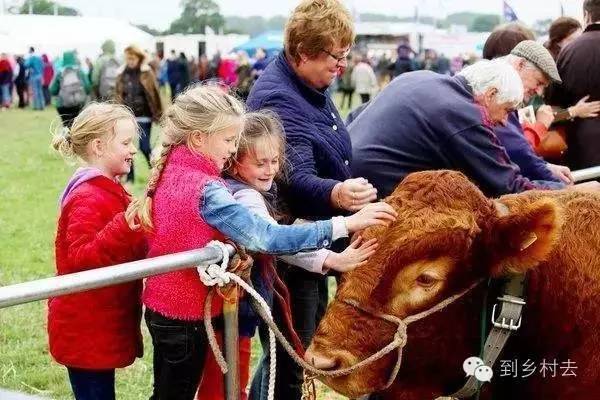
(71, 92)
(108, 79)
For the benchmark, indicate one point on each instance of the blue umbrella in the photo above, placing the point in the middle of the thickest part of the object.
(270, 41)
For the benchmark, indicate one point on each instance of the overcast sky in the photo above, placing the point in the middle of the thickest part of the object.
(159, 13)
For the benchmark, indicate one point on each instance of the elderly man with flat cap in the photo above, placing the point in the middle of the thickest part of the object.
(537, 69)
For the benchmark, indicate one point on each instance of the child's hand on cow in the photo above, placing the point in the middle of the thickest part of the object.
(355, 255)
(353, 194)
(379, 213)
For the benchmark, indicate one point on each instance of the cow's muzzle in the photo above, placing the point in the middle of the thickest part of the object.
(319, 360)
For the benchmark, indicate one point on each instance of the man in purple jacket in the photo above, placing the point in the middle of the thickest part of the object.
(425, 121)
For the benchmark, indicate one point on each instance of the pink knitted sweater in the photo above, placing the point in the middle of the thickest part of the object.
(178, 226)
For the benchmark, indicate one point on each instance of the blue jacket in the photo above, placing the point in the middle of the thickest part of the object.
(35, 65)
(520, 152)
(427, 121)
(221, 211)
(318, 147)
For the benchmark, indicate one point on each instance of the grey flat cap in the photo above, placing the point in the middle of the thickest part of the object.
(539, 56)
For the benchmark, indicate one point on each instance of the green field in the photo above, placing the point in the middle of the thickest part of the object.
(31, 180)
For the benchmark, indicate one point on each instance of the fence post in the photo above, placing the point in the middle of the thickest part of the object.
(231, 341)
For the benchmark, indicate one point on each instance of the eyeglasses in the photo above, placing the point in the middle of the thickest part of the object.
(336, 58)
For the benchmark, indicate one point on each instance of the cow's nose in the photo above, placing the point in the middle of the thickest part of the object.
(318, 360)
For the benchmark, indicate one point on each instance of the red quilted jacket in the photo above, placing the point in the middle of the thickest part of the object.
(97, 329)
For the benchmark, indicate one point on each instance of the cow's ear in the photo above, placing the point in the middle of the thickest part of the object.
(524, 237)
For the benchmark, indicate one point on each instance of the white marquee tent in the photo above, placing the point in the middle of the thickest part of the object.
(55, 34)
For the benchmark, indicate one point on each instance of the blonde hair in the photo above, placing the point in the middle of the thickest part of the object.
(205, 108)
(95, 121)
(262, 125)
(135, 51)
(316, 25)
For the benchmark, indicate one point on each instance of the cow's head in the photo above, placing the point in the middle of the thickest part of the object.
(448, 235)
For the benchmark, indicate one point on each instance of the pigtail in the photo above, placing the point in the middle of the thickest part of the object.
(143, 206)
(62, 143)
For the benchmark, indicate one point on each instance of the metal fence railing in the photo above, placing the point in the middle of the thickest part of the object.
(100, 277)
(586, 174)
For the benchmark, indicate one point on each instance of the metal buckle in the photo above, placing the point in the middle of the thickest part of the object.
(511, 326)
(512, 299)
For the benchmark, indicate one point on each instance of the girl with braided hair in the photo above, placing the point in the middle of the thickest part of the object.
(186, 206)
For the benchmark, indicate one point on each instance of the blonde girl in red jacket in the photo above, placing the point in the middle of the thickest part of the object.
(187, 205)
(94, 332)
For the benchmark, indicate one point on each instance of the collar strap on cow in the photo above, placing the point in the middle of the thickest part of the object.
(504, 322)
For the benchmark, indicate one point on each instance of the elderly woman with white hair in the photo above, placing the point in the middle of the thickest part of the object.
(427, 121)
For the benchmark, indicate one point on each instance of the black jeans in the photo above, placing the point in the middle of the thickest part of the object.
(92, 385)
(23, 95)
(347, 94)
(47, 96)
(68, 114)
(308, 294)
(179, 351)
(145, 147)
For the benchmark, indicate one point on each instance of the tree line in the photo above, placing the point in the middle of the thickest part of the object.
(196, 15)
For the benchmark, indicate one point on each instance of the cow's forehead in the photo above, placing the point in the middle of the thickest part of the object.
(439, 190)
(451, 242)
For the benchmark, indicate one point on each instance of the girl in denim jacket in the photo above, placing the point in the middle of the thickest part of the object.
(186, 206)
(258, 161)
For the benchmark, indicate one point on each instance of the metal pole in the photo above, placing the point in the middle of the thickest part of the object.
(586, 174)
(100, 277)
(231, 342)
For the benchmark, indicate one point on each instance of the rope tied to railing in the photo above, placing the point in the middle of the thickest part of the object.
(213, 274)
(218, 275)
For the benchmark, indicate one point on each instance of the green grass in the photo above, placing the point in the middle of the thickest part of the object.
(31, 180)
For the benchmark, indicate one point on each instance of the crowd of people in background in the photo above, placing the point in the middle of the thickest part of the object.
(492, 119)
(30, 78)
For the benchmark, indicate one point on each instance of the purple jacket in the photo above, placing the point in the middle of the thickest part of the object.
(427, 121)
(318, 148)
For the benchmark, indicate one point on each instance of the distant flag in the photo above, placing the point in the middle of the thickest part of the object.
(562, 10)
(509, 13)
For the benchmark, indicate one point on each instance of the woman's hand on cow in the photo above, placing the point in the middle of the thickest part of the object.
(379, 213)
(355, 255)
(353, 194)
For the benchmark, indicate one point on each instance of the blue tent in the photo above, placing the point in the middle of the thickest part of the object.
(270, 41)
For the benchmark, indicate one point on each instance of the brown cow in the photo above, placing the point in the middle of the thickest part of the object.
(448, 235)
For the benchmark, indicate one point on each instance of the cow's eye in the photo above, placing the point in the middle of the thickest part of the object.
(426, 280)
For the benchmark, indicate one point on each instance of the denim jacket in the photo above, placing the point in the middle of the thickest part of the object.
(221, 211)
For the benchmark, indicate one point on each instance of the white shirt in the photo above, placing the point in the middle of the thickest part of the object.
(311, 261)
